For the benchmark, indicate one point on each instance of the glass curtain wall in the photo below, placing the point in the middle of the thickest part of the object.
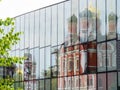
(72, 45)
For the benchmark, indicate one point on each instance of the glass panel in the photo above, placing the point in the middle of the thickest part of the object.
(42, 60)
(31, 85)
(91, 20)
(6, 71)
(91, 82)
(37, 28)
(101, 33)
(9, 71)
(73, 22)
(18, 27)
(73, 61)
(22, 29)
(62, 61)
(20, 69)
(76, 83)
(47, 84)
(111, 55)
(111, 19)
(112, 81)
(118, 80)
(17, 78)
(83, 82)
(54, 61)
(62, 83)
(31, 67)
(83, 20)
(73, 83)
(118, 55)
(16, 85)
(92, 54)
(66, 83)
(1, 72)
(101, 57)
(76, 63)
(26, 85)
(118, 18)
(48, 26)
(22, 85)
(69, 83)
(54, 25)
(6, 28)
(32, 29)
(19, 85)
(54, 84)
(60, 24)
(47, 62)
(102, 81)
(28, 64)
(36, 63)
(83, 59)
(66, 20)
(26, 31)
(41, 86)
(42, 27)
(36, 85)
(70, 64)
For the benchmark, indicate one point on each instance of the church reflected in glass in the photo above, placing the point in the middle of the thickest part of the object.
(71, 45)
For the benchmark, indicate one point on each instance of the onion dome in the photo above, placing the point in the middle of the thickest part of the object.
(72, 19)
(112, 17)
(86, 13)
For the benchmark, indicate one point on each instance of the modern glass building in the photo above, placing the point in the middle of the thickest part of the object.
(72, 45)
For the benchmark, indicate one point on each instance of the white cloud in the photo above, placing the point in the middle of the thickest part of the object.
(12, 8)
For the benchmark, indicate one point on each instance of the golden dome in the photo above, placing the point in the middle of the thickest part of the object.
(93, 9)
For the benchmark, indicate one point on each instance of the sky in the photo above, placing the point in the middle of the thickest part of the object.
(12, 8)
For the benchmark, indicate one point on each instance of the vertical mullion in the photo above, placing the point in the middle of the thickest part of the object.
(117, 43)
(45, 29)
(45, 50)
(79, 42)
(33, 46)
(29, 42)
(24, 52)
(34, 31)
(51, 48)
(19, 48)
(44, 70)
(24, 31)
(70, 77)
(106, 41)
(39, 51)
(96, 49)
(39, 29)
(62, 45)
(87, 50)
(57, 48)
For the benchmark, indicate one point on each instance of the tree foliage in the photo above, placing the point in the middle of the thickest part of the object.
(6, 84)
(8, 39)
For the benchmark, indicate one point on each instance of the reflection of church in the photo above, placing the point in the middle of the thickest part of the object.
(78, 56)
(111, 54)
(29, 72)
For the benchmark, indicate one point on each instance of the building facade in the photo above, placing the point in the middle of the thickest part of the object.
(71, 45)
